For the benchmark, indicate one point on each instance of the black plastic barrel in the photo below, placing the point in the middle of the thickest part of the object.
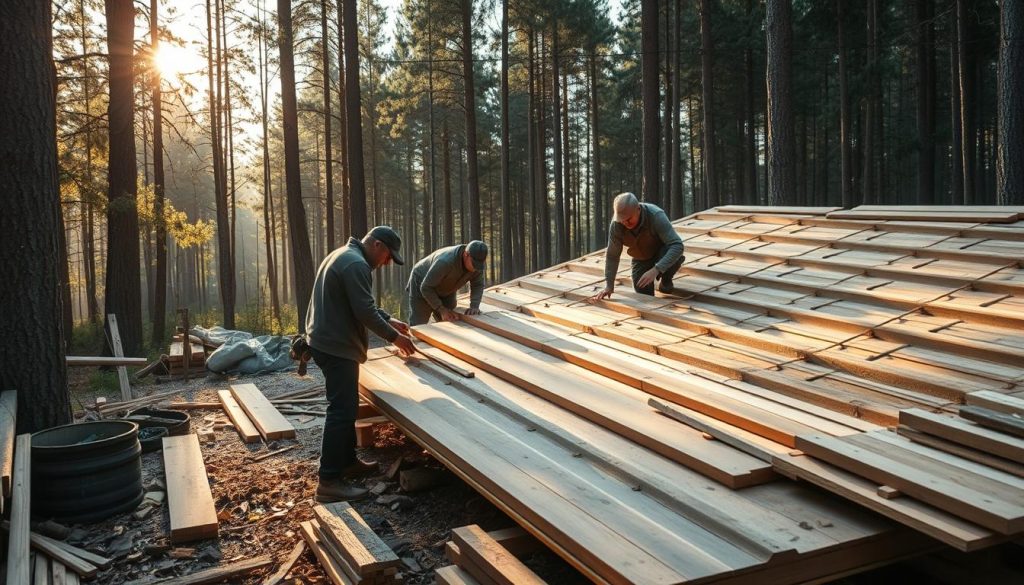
(86, 472)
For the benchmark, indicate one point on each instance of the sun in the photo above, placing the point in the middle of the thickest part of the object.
(173, 60)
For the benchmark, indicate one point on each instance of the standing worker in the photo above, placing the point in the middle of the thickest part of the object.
(437, 278)
(340, 311)
(650, 239)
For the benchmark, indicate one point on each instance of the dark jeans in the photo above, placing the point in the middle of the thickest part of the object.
(641, 266)
(338, 449)
(419, 311)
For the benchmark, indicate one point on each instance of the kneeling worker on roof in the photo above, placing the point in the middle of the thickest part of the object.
(340, 311)
(650, 239)
(436, 279)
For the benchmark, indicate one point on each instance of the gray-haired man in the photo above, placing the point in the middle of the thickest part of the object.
(650, 240)
(436, 279)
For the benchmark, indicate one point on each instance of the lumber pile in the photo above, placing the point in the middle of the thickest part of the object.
(793, 338)
(176, 357)
(348, 550)
(480, 557)
(270, 423)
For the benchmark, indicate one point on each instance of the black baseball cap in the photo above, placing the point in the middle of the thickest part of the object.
(478, 252)
(389, 237)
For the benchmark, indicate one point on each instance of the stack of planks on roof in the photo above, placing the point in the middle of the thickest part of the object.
(485, 558)
(348, 549)
(616, 510)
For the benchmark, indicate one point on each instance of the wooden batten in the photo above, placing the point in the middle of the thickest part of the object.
(189, 500)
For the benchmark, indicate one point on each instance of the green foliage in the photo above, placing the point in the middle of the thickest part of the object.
(87, 339)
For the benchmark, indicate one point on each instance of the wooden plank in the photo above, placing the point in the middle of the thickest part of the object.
(328, 563)
(95, 360)
(940, 216)
(996, 401)
(965, 433)
(1007, 423)
(617, 407)
(40, 570)
(492, 558)
(231, 572)
(516, 540)
(189, 500)
(930, 520)
(360, 546)
(1006, 517)
(8, 424)
(919, 452)
(962, 451)
(715, 431)
(246, 430)
(115, 343)
(454, 575)
(270, 423)
(19, 567)
(287, 564)
(68, 555)
(88, 556)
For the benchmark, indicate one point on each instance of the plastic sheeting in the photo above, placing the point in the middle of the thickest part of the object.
(241, 353)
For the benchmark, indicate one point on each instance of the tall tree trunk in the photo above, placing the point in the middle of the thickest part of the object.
(925, 32)
(542, 178)
(429, 189)
(956, 179)
(781, 141)
(750, 162)
(473, 172)
(229, 149)
(651, 130)
(869, 183)
(225, 270)
(595, 145)
(160, 287)
(29, 285)
(507, 266)
(328, 150)
(966, 101)
(561, 235)
(448, 219)
(707, 64)
(270, 237)
(302, 258)
(1010, 150)
(846, 156)
(123, 283)
(343, 225)
(353, 111)
(531, 132)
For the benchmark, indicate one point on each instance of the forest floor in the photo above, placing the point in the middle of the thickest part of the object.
(261, 504)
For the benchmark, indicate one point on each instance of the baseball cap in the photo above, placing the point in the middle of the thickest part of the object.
(389, 237)
(478, 252)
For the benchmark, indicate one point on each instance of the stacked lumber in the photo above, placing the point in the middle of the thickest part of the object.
(482, 558)
(613, 509)
(269, 422)
(111, 408)
(176, 357)
(348, 549)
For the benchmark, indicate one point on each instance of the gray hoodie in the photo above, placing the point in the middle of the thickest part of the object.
(342, 306)
(442, 274)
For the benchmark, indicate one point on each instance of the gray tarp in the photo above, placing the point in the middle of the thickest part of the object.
(244, 354)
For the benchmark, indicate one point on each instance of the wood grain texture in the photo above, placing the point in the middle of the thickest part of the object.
(267, 419)
(246, 430)
(19, 565)
(189, 499)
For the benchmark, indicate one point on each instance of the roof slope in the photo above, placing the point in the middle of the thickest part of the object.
(785, 323)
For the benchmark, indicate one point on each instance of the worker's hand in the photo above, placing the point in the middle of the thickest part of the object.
(400, 326)
(647, 278)
(604, 294)
(472, 311)
(448, 314)
(404, 345)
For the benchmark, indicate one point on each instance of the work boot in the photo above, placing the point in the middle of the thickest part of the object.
(665, 287)
(335, 490)
(360, 468)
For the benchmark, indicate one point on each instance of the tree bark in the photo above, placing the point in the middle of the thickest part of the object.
(302, 258)
(469, 85)
(29, 284)
(846, 156)
(1010, 150)
(595, 145)
(707, 63)
(925, 32)
(353, 111)
(651, 130)
(966, 102)
(328, 150)
(507, 266)
(160, 286)
(123, 282)
(561, 235)
(869, 183)
(781, 140)
(269, 231)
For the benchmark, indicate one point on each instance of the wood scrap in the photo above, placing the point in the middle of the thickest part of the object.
(311, 534)
(264, 416)
(152, 399)
(246, 430)
(115, 344)
(193, 405)
(270, 454)
(90, 360)
(888, 492)
(81, 561)
(360, 546)
(216, 574)
(1007, 423)
(287, 564)
(454, 575)
(19, 567)
(8, 424)
(189, 500)
(158, 366)
(716, 431)
(965, 433)
(496, 562)
(959, 450)
(1005, 403)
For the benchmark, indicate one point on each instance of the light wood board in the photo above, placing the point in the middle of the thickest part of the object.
(189, 500)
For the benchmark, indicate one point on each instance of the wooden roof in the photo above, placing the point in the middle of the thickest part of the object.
(789, 327)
